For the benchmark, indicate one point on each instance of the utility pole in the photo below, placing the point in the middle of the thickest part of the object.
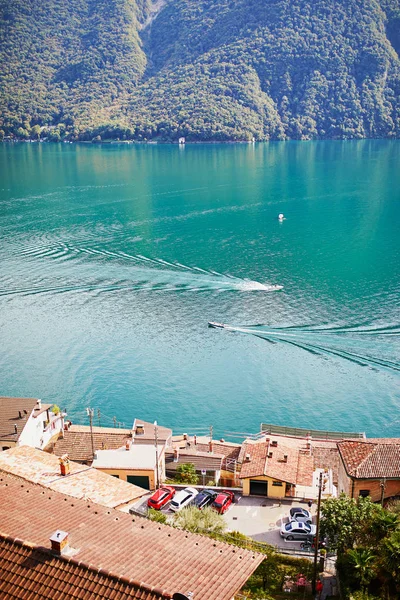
(383, 486)
(314, 579)
(90, 413)
(210, 447)
(156, 444)
(98, 416)
(115, 421)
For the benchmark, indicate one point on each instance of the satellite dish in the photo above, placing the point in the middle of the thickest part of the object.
(179, 596)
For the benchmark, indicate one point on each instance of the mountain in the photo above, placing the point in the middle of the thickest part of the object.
(204, 69)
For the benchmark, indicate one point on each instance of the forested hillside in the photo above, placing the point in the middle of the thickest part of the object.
(205, 69)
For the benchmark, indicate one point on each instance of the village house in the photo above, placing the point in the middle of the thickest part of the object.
(28, 422)
(76, 441)
(70, 478)
(370, 468)
(77, 548)
(269, 468)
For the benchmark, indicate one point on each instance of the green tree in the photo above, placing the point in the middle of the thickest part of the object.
(35, 132)
(200, 521)
(186, 473)
(156, 515)
(345, 521)
(363, 560)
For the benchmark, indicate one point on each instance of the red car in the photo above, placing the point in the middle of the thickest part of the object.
(161, 497)
(223, 501)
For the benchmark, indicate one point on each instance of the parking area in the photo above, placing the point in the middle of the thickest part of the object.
(257, 517)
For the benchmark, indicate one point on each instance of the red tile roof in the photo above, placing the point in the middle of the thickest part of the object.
(10, 411)
(28, 571)
(269, 461)
(149, 433)
(77, 441)
(86, 482)
(369, 460)
(158, 555)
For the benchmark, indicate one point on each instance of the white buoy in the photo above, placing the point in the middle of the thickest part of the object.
(281, 216)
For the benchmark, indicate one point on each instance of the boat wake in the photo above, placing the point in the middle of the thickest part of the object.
(349, 342)
(138, 271)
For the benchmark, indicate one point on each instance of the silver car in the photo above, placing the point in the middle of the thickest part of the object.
(297, 531)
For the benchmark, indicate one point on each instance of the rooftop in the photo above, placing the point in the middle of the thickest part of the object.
(284, 463)
(29, 571)
(371, 460)
(201, 460)
(156, 555)
(139, 456)
(77, 441)
(14, 411)
(145, 433)
(85, 482)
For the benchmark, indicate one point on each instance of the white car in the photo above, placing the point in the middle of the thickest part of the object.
(183, 498)
(297, 531)
(299, 514)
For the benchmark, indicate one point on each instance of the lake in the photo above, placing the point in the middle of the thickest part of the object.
(113, 258)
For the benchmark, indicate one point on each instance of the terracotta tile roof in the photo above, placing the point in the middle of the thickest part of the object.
(270, 461)
(229, 451)
(369, 460)
(256, 465)
(40, 467)
(201, 460)
(78, 445)
(31, 572)
(155, 554)
(10, 410)
(148, 435)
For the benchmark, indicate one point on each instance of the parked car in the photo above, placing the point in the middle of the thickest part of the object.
(297, 531)
(299, 514)
(183, 498)
(204, 498)
(223, 501)
(161, 497)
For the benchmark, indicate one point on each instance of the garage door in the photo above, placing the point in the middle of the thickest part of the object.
(140, 480)
(258, 488)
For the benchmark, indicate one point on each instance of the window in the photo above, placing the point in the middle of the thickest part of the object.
(364, 493)
(277, 483)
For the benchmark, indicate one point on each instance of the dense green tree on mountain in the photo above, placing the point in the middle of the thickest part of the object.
(204, 69)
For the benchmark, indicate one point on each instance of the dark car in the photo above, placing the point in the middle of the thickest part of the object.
(223, 501)
(204, 498)
(161, 497)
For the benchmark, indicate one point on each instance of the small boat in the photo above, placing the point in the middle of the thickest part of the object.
(216, 325)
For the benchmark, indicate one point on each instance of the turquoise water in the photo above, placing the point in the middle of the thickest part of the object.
(114, 258)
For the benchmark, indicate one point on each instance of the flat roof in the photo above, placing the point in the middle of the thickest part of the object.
(43, 468)
(139, 456)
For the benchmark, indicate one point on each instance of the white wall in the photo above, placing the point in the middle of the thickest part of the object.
(36, 435)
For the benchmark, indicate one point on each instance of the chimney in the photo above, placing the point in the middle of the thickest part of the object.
(195, 440)
(269, 454)
(210, 446)
(127, 445)
(222, 440)
(64, 465)
(38, 405)
(139, 429)
(15, 428)
(248, 458)
(284, 458)
(176, 454)
(59, 541)
(185, 436)
(274, 443)
(308, 442)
